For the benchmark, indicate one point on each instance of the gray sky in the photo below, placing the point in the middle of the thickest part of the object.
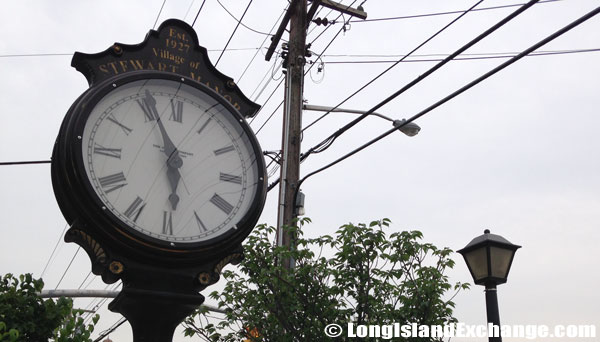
(516, 154)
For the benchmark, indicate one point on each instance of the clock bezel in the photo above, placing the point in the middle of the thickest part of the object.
(88, 200)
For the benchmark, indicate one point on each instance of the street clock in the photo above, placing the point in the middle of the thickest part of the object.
(157, 172)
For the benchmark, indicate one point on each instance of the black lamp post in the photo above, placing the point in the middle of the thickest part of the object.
(489, 258)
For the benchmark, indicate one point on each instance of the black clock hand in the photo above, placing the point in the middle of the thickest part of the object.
(174, 177)
(171, 151)
(174, 161)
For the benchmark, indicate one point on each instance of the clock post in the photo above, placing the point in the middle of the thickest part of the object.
(158, 174)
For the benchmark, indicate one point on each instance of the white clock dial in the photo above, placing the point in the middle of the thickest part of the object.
(170, 161)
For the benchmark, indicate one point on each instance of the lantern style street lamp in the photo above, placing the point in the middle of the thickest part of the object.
(489, 258)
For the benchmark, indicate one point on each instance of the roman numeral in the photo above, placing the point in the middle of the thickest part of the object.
(167, 223)
(107, 151)
(147, 108)
(224, 177)
(176, 111)
(203, 126)
(125, 129)
(135, 209)
(200, 223)
(221, 203)
(112, 182)
(224, 150)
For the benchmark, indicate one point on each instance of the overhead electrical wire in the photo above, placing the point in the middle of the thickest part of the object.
(198, 13)
(240, 20)
(93, 307)
(391, 67)
(26, 162)
(328, 26)
(327, 142)
(67, 269)
(305, 73)
(261, 45)
(83, 282)
(158, 15)
(442, 13)
(512, 53)
(114, 327)
(501, 56)
(71, 54)
(54, 250)
(188, 10)
(89, 283)
(267, 100)
(37, 55)
(265, 78)
(234, 30)
(269, 118)
(457, 92)
(472, 9)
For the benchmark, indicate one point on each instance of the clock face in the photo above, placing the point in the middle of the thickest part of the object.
(170, 161)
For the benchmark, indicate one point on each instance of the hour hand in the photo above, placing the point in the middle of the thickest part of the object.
(174, 177)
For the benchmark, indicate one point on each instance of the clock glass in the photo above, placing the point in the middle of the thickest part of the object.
(171, 161)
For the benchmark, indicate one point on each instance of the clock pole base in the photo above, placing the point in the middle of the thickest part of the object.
(154, 315)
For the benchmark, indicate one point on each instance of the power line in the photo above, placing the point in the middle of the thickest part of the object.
(263, 105)
(159, 12)
(391, 67)
(234, 30)
(188, 10)
(328, 26)
(240, 20)
(101, 302)
(443, 13)
(54, 250)
(457, 92)
(89, 283)
(26, 162)
(261, 45)
(198, 13)
(307, 71)
(37, 55)
(269, 118)
(326, 143)
(502, 56)
(111, 329)
(438, 54)
(69, 266)
(71, 54)
(86, 278)
(261, 82)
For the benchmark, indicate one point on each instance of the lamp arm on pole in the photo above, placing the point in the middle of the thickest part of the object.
(411, 129)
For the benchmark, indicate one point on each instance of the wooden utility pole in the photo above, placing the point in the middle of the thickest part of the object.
(299, 19)
(292, 123)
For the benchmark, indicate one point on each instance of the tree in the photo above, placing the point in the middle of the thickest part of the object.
(370, 278)
(24, 316)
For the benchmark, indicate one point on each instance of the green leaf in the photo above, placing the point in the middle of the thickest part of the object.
(366, 275)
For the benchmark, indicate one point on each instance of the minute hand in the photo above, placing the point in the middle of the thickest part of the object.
(170, 150)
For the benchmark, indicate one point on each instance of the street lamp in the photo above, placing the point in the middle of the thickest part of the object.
(411, 129)
(489, 258)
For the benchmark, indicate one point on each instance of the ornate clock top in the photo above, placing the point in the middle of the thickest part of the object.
(172, 48)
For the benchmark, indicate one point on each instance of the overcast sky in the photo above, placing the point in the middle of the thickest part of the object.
(517, 154)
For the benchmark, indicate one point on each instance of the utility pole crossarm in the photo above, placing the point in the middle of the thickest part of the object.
(311, 12)
(277, 37)
(336, 6)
